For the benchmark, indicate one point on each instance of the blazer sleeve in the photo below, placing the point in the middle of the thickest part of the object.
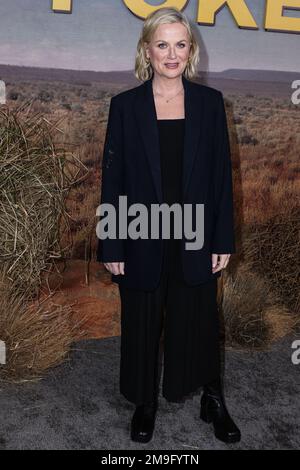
(223, 240)
(109, 249)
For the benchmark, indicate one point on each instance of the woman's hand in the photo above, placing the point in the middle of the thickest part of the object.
(221, 263)
(115, 268)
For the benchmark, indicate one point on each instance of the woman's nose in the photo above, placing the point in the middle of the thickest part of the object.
(172, 54)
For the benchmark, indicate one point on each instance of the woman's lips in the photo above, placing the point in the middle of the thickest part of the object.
(172, 66)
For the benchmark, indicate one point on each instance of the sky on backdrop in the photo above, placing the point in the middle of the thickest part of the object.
(101, 35)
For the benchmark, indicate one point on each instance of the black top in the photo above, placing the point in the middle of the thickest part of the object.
(171, 139)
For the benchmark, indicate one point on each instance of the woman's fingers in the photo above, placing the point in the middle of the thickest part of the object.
(214, 259)
(115, 268)
(121, 267)
(111, 267)
(219, 262)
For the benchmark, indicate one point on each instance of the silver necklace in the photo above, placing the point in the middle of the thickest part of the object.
(169, 99)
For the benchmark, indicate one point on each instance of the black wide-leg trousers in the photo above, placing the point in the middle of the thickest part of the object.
(188, 315)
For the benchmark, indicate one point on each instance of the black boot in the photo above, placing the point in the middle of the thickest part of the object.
(143, 421)
(213, 409)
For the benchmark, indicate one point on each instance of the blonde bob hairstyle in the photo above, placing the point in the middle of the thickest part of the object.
(143, 69)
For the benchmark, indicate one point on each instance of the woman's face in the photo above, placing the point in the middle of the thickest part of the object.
(169, 49)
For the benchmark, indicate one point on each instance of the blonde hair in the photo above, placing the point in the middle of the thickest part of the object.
(143, 69)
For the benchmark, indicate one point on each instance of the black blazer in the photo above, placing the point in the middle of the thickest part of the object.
(131, 167)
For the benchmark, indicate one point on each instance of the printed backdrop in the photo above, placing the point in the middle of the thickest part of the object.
(69, 58)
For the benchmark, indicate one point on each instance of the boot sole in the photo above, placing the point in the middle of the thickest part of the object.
(229, 439)
(141, 438)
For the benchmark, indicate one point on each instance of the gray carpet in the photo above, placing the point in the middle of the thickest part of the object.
(78, 405)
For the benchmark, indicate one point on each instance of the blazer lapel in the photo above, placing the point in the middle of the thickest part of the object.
(146, 121)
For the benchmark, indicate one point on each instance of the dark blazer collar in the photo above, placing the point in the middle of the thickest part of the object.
(146, 118)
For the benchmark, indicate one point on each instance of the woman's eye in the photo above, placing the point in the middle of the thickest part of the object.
(181, 45)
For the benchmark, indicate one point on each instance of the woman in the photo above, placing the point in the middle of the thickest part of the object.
(167, 142)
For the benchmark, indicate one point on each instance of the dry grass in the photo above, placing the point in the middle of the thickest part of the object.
(35, 178)
(272, 250)
(261, 296)
(36, 336)
(253, 314)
